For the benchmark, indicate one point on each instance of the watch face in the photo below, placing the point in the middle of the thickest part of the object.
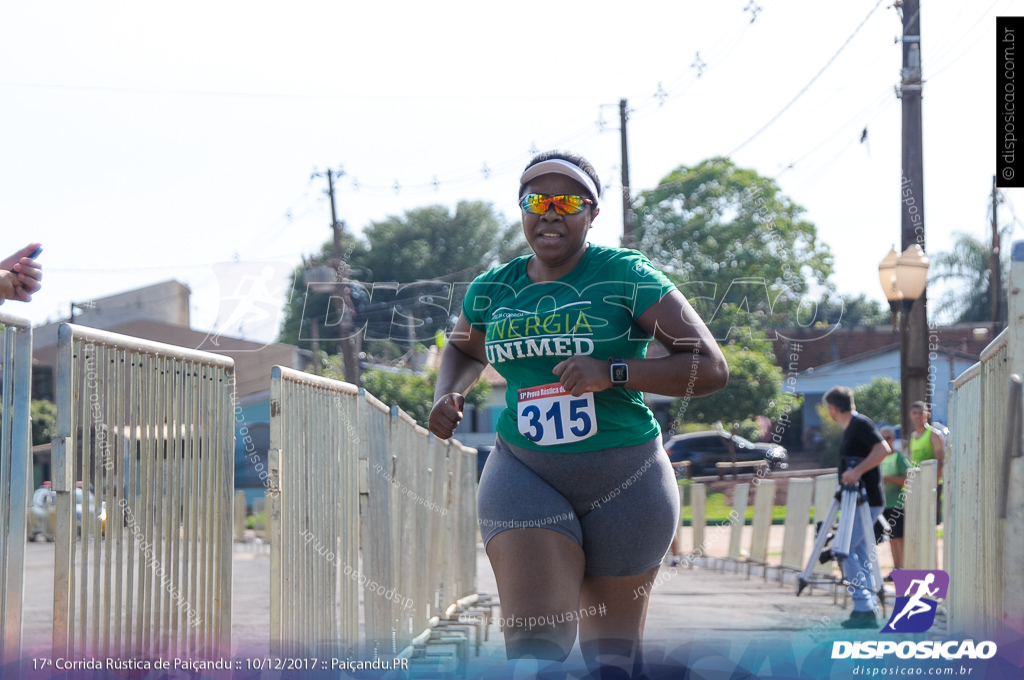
(620, 373)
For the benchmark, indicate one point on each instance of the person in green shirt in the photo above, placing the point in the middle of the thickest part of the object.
(927, 444)
(894, 475)
(577, 502)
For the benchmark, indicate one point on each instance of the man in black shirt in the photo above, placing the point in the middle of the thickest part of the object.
(861, 442)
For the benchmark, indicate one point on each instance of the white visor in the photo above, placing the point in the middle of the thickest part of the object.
(559, 167)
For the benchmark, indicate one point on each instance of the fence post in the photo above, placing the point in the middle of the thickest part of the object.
(738, 519)
(15, 478)
(764, 503)
(919, 523)
(798, 516)
(240, 518)
(698, 523)
(824, 493)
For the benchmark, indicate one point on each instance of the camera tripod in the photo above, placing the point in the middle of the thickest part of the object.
(850, 501)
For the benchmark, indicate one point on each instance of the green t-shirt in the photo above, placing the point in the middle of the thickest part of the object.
(531, 327)
(921, 448)
(894, 465)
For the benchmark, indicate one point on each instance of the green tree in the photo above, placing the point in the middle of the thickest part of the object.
(411, 392)
(879, 400)
(832, 433)
(432, 243)
(44, 421)
(858, 310)
(755, 388)
(968, 267)
(738, 248)
(430, 247)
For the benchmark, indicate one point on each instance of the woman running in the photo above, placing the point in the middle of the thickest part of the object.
(578, 501)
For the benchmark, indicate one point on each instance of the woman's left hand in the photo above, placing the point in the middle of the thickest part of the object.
(580, 374)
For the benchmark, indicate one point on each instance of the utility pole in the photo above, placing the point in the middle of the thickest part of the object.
(336, 226)
(348, 343)
(914, 342)
(627, 201)
(995, 272)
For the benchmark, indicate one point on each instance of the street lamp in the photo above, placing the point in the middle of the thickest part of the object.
(904, 278)
(887, 277)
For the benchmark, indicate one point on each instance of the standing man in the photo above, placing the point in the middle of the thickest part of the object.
(861, 441)
(927, 444)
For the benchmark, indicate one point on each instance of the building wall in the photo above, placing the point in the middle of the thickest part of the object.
(815, 383)
(166, 302)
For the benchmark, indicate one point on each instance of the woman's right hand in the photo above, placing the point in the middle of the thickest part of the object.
(446, 415)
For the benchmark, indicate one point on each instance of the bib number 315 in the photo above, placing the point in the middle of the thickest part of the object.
(549, 415)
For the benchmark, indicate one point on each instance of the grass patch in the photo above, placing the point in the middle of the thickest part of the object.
(717, 512)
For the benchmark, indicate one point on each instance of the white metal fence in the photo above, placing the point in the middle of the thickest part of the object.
(920, 549)
(313, 515)
(15, 468)
(346, 471)
(143, 464)
(983, 552)
(972, 540)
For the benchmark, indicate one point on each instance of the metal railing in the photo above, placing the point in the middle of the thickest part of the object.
(764, 504)
(699, 521)
(920, 504)
(799, 495)
(973, 540)
(984, 540)
(15, 480)
(313, 515)
(1011, 511)
(143, 467)
(409, 496)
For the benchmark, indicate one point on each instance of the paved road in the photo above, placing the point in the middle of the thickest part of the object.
(719, 611)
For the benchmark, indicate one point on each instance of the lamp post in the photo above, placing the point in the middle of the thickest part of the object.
(903, 278)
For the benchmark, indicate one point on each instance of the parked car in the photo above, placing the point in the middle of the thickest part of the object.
(704, 449)
(481, 458)
(42, 513)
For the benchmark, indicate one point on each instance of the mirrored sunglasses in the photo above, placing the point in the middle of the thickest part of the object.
(539, 204)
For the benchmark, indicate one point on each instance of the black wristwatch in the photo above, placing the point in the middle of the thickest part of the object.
(619, 371)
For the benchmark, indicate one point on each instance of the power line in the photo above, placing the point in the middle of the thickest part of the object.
(811, 82)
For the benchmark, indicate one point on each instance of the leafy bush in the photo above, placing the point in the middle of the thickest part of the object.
(412, 392)
(755, 388)
(878, 400)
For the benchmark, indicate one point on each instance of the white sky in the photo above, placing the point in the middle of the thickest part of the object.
(148, 141)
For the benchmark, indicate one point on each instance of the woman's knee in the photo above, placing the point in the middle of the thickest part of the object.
(543, 635)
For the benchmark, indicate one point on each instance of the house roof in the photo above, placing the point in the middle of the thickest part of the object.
(821, 346)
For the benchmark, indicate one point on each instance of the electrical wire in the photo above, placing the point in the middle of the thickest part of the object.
(954, 60)
(808, 85)
(883, 98)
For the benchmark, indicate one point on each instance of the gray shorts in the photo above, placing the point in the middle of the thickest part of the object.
(620, 505)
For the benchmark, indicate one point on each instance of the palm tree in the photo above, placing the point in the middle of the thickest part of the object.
(967, 268)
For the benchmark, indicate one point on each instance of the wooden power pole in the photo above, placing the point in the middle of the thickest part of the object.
(995, 272)
(627, 201)
(914, 341)
(348, 342)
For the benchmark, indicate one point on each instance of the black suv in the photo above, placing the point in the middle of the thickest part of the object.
(704, 449)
